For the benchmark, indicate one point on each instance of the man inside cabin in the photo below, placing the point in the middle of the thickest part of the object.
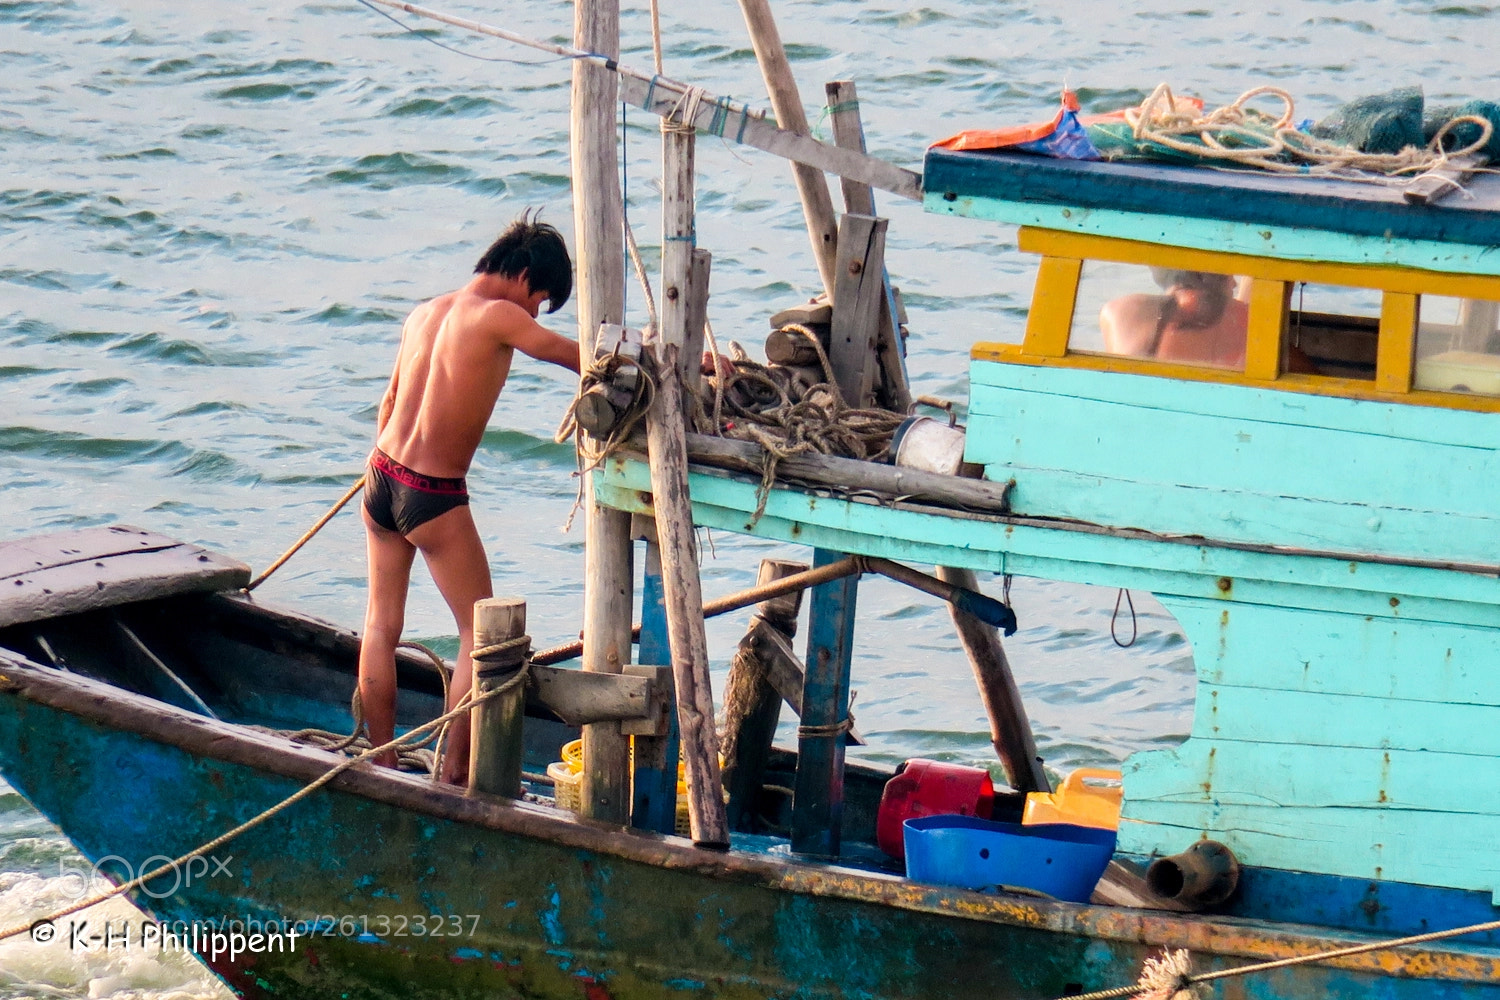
(1197, 321)
(456, 351)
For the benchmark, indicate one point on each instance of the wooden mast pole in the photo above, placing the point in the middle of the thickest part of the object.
(598, 233)
(1010, 729)
(786, 103)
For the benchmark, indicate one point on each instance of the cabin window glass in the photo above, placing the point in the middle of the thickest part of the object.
(1333, 330)
(1165, 314)
(1458, 345)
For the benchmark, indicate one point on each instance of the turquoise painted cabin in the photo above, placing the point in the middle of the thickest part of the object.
(1319, 511)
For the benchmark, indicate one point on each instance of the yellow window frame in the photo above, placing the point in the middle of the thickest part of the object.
(1050, 321)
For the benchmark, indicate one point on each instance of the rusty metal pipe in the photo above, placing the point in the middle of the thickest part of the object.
(1203, 875)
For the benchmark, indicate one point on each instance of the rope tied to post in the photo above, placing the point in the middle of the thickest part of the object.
(833, 729)
(521, 676)
(591, 454)
(493, 651)
(685, 112)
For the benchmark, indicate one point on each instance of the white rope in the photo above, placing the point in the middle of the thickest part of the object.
(1245, 136)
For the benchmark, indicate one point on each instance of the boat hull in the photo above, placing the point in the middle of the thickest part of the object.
(535, 903)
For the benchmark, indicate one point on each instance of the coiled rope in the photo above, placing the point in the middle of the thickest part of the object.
(413, 758)
(789, 415)
(1247, 136)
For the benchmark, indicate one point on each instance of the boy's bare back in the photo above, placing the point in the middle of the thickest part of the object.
(456, 352)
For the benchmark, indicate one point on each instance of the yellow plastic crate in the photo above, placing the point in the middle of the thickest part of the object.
(567, 783)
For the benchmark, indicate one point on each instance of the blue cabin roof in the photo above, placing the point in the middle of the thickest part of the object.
(1252, 197)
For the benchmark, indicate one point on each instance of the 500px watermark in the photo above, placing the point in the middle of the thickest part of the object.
(112, 870)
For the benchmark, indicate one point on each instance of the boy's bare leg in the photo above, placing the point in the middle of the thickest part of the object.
(456, 558)
(390, 557)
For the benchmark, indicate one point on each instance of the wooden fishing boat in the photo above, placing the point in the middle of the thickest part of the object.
(1309, 498)
(1324, 537)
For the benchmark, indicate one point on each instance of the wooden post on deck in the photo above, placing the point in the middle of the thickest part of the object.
(818, 798)
(786, 103)
(856, 306)
(859, 199)
(666, 438)
(1010, 730)
(600, 248)
(654, 799)
(496, 748)
(697, 322)
(684, 599)
(747, 746)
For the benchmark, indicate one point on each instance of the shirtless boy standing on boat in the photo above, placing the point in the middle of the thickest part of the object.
(455, 354)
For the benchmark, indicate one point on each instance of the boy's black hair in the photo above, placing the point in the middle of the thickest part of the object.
(537, 249)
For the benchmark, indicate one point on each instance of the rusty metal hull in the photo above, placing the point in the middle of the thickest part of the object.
(532, 902)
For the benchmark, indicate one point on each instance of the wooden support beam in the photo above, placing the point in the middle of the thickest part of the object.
(684, 599)
(786, 103)
(679, 237)
(785, 672)
(717, 606)
(818, 799)
(580, 697)
(967, 599)
(654, 801)
(697, 319)
(666, 439)
(855, 476)
(752, 701)
(856, 306)
(859, 199)
(496, 749)
(600, 252)
(1010, 729)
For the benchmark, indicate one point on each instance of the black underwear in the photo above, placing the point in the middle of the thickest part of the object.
(399, 499)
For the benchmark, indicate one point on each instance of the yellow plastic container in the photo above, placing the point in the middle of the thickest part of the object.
(567, 783)
(1460, 371)
(1090, 796)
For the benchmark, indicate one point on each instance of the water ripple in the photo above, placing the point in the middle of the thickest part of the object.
(75, 446)
(383, 171)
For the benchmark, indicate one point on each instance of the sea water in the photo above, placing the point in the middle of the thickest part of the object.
(213, 218)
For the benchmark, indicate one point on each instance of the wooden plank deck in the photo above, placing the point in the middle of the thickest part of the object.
(48, 576)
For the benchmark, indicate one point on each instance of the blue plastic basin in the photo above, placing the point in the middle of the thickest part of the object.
(1061, 860)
